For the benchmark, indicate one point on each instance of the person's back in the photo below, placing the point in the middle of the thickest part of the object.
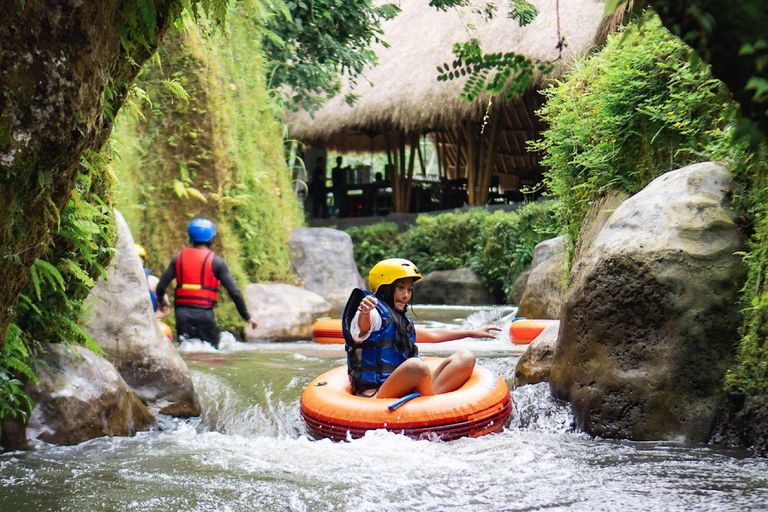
(198, 272)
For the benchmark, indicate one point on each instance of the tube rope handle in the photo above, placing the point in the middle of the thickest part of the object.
(406, 398)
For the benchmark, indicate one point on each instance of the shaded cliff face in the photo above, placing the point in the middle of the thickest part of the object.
(649, 323)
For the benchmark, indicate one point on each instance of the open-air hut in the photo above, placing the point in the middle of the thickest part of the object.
(400, 100)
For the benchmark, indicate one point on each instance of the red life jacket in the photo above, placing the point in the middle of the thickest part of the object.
(195, 283)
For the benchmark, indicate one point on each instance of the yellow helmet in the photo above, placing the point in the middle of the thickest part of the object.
(141, 251)
(390, 270)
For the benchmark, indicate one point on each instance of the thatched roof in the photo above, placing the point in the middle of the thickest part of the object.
(402, 93)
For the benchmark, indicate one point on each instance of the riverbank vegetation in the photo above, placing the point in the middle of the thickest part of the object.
(58, 228)
(204, 139)
(642, 106)
(498, 246)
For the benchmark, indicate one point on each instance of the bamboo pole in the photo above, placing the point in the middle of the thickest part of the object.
(471, 167)
(414, 140)
(421, 158)
(487, 163)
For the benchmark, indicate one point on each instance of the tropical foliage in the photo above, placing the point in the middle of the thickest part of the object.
(57, 224)
(310, 44)
(493, 73)
(52, 302)
(217, 152)
(642, 106)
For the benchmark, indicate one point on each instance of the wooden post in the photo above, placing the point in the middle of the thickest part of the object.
(421, 157)
(486, 168)
(471, 167)
(400, 171)
(414, 140)
(440, 147)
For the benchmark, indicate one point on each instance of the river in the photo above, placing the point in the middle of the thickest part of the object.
(250, 451)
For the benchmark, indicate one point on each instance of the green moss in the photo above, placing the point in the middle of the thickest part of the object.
(219, 155)
(750, 373)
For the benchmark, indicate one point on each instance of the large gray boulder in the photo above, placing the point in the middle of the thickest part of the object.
(80, 396)
(545, 287)
(122, 323)
(283, 312)
(518, 287)
(650, 318)
(596, 219)
(535, 364)
(325, 261)
(461, 287)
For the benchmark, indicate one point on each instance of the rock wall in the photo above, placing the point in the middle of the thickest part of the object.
(650, 318)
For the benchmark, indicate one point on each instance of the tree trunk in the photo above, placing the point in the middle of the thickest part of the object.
(61, 66)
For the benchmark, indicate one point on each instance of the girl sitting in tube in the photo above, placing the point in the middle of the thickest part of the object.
(382, 357)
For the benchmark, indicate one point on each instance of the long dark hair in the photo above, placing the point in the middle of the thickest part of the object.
(386, 293)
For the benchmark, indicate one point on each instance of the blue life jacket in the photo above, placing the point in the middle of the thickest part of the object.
(152, 295)
(370, 362)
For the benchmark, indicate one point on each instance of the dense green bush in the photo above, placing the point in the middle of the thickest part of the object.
(750, 373)
(443, 242)
(505, 245)
(640, 107)
(374, 243)
(497, 246)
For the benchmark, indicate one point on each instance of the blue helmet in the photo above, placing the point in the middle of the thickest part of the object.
(201, 230)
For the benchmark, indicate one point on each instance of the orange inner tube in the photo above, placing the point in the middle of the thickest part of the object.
(328, 331)
(481, 406)
(166, 330)
(522, 332)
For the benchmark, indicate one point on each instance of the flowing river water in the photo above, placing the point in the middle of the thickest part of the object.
(250, 451)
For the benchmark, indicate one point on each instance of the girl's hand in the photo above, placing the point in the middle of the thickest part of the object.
(489, 331)
(368, 303)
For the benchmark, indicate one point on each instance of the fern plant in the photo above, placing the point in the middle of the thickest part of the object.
(14, 402)
(51, 303)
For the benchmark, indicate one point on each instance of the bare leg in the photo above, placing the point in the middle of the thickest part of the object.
(453, 372)
(412, 375)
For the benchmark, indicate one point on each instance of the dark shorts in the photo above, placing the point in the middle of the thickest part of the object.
(197, 323)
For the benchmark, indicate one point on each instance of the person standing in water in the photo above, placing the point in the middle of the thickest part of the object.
(382, 357)
(198, 271)
(161, 309)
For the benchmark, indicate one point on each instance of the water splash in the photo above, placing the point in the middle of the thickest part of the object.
(537, 410)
